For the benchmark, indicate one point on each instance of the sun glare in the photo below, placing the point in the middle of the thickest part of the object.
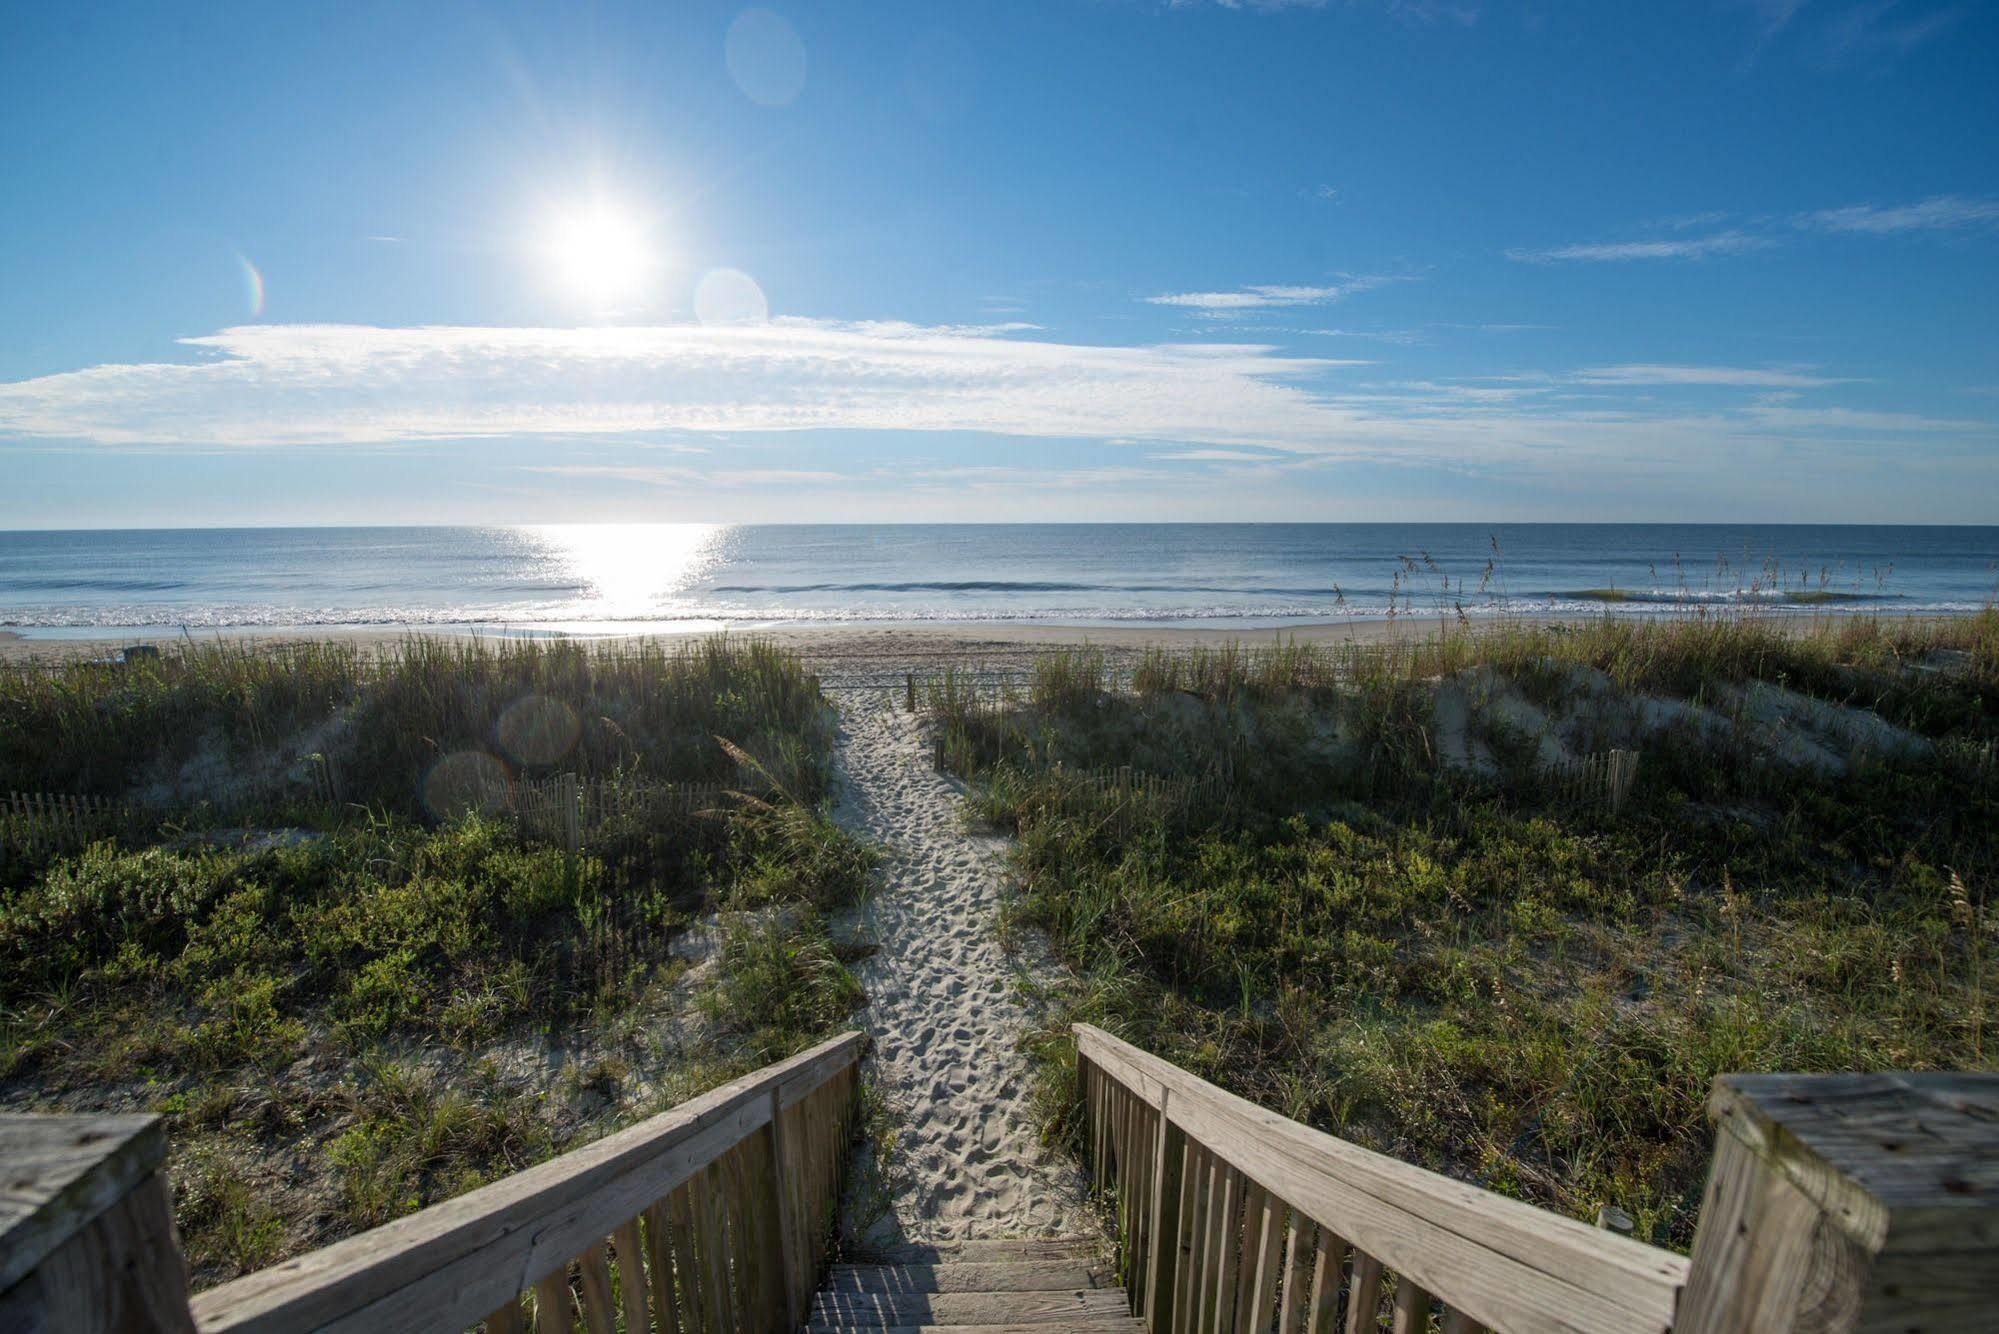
(601, 254)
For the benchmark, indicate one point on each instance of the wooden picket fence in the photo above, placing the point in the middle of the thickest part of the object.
(1126, 798)
(578, 812)
(1602, 780)
(40, 823)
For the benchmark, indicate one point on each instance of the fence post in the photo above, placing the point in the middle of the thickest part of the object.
(87, 1243)
(1848, 1202)
(909, 688)
(572, 834)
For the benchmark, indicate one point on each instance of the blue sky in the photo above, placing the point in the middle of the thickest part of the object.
(1046, 259)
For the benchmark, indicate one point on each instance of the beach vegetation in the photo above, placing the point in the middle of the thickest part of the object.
(349, 1009)
(1358, 883)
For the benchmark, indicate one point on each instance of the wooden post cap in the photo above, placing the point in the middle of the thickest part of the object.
(1880, 1153)
(59, 1173)
(1849, 1202)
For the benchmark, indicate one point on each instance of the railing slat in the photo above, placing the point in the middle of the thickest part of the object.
(659, 1262)
(1163, 1226)
(1227, 1282)
(1296, 1306)
(506, 1320)
(709, 1242)
(680, 1213)
(1269, 1260)
(1364, 1294)
(552, 1303)
(599, 1316)
(1412, 1307)
(631, 1277)
(1328, 1269)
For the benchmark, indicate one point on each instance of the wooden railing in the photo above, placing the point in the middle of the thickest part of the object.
(713, 1216)
(1835, 1202)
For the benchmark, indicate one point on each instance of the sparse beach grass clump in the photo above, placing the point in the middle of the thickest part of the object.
(1358, 884)
(352, 1005)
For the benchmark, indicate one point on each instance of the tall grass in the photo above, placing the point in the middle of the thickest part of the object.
(1461, 970)
(209, 721)
(347, 1021)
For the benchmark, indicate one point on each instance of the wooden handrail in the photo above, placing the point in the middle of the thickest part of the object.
(1231, 1215)
(718, 1209)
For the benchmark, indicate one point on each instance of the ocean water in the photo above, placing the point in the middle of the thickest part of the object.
(608, 578)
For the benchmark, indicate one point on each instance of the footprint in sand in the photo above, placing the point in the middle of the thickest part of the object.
(942, 1008)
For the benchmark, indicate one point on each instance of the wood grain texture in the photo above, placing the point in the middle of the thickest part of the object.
(450, 1264)
(1509, 1264)
(1849, 1202)
(61, 1172)
(123, 1271)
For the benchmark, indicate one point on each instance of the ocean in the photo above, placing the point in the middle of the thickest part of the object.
(611, 578)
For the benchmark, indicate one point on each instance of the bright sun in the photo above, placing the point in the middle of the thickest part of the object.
(601, 253)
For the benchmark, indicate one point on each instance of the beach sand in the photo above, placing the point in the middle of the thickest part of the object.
(944, 1007)
(899, 647)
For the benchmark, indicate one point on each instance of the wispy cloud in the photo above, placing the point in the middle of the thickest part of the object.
(1204, 412)
(1690, 247)
(347, 384)
(648, 475)
(1938, 213)
(1725, 376)
(1270, 296)
(1882, 29)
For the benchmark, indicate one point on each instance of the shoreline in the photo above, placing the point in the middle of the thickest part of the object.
(915, 642)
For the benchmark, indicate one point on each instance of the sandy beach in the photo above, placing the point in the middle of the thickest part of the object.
(850, 646)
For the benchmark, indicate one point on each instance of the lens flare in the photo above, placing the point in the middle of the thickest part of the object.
(253, 286)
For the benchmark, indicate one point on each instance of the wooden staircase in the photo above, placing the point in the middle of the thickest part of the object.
(976, 1287)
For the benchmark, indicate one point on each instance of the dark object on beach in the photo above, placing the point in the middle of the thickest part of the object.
(138, 653)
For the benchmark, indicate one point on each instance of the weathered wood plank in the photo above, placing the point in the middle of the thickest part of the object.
(451, 1263)
(659, 1270)
(1030, 1276)
(1849, 1202)
(1262, 1303)
(1412, 1307)
(1080, 1250)
(1092, 1325)
(968, 1308)
(552, 1303)
(1501, 1289)
(680, 1210)
(1450, 1236)
(121, 1271)
(1364, 1294)
(506, 1320)
(599, 1316)
(1328, 1272)
(632, 1277)
(61, 1173)
(1163, 1224)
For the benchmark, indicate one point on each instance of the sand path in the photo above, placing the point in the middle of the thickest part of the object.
(942, 1007)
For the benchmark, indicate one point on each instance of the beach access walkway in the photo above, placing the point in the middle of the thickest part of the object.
(944, 1008)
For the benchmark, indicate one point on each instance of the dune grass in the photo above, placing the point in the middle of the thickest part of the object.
(214, 722)
(1469, 973)
(348, 1010)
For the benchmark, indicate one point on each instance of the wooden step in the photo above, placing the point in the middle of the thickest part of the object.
(970, 1276)
(877, 1310)
(1024, 1250)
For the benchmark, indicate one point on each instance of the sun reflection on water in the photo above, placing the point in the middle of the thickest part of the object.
(631, 571)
